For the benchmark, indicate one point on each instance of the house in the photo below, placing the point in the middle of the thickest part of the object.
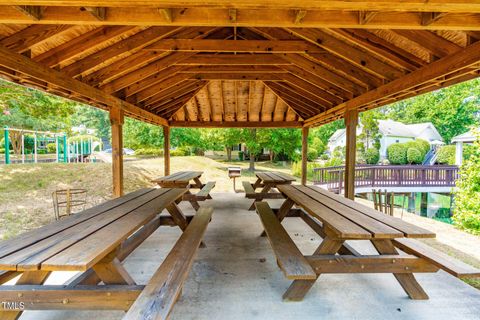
(392, 132)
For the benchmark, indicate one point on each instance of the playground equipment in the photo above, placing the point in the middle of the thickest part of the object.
(31, 144)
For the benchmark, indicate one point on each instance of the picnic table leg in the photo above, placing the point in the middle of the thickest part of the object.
(406, 280)
(257, 183)
(299, 288)
(30, 277)
(198, 183)
(179, 218)
(193, 201)
(111, 271)
(282, 212)
(265, 189)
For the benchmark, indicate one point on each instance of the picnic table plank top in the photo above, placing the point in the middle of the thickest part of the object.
(275, 177)
(350, 219)
(179, 177)
(79, 244)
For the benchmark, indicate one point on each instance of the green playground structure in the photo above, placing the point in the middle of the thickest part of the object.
(32, 145)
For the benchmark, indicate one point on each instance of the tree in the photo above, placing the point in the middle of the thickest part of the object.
(31, 109)
(452, 110)
(370, 135)
(467, 194)
(251, 141)
(230, 137)
(282, 143)
(325, 131)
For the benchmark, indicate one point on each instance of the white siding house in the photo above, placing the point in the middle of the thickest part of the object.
(392, 132)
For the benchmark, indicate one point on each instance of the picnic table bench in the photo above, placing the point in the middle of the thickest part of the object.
(96, 242)
(337, 219)
(189, 180)
(267, 181)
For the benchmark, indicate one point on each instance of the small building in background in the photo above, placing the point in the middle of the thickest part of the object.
(392, 132)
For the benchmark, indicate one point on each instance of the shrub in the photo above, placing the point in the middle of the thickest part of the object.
(467, 194)
(179, 152)
(157, 152)
(297, 169)
(372, 156)
(333, 162)
(312, 154)
(324, 156)
(397, 153)
(446, 155)
(423, 145)
(414, 156)
(51, 147)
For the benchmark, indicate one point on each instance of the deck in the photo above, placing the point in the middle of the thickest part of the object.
(236, 277)
(400, 179)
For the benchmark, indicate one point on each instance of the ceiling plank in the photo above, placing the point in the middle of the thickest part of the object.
(31, 36)
(435, 44)
(237, 124)
(80, 45)
(127, 46)
(231, 60)
(19, 63)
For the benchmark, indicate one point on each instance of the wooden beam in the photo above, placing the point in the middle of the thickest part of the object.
(244, 46)
(33, 12)
(166, 150)
(99, 13)
(365, 17)
(217, 17)
(460, 62)
(232, 15)
(231, 59)
(355, 5)
(304, 154)
(237, 124)
(299, 16)
(116, 121)
(24, 65)
(167, 14)
(351, 121)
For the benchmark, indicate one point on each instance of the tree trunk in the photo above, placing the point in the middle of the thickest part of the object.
(229, 153)
(271, 155)
(16, 141)
(252, 162)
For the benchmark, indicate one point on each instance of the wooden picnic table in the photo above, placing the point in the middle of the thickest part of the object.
(95, 242)
(189, 180)
(337, 219)
(267, 181)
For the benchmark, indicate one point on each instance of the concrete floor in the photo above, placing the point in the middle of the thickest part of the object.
(236, 277)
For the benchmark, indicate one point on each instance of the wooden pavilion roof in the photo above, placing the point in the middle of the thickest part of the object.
(252, 63)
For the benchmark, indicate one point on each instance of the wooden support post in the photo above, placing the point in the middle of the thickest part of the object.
(166, 149)
(351, 121)
(304, 154)
(116, 120)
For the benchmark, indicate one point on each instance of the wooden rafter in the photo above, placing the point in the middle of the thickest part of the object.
(19, 63)
(462, 62)
(365, 17)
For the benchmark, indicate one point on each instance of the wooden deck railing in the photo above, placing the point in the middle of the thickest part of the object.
(388, 176)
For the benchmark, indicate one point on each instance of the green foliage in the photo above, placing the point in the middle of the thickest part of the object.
(421, 145)
(452, 110)
(157, 152)
(446, 155)
(414, 156)
(297, 169)
(51, 147)
(312, 154)
(370, 135)
(397, 153)
(467, 193)
(333, 162)
(325, 131)
(138, 134)
(180, 152)
(372, 156)
(83, 137)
